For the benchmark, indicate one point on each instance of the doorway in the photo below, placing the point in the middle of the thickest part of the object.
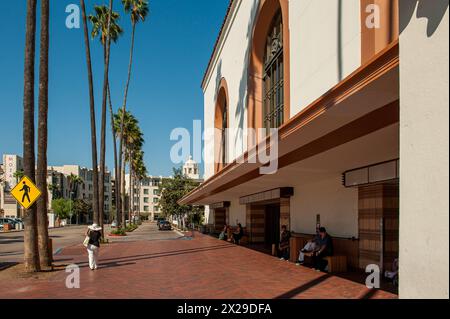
(272, 225)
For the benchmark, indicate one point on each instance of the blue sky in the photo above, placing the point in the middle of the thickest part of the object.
(171, 53)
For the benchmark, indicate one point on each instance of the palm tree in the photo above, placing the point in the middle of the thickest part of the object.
(18, 175)
(133, 140)
(41, 177)
(138, 10)
(95, 199)
(31, 252)
(105, 25)
(140, 172)
(116, 164)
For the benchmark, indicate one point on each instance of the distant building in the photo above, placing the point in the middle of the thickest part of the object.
(146, 195)
(85, 190)
(11, 165)
(191, 170)
(57, 181)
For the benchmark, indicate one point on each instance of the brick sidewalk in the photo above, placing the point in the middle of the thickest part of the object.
(187, 269)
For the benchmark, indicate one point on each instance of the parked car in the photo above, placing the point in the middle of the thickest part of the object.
(4, 221)
(114, 224)
(165, 225)
(159, 220)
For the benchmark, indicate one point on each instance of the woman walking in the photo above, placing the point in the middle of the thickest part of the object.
(93, 245)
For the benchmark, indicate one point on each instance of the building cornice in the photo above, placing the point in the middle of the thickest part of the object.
(221, 38)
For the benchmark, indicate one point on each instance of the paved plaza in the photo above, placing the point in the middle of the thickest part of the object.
(152, 264)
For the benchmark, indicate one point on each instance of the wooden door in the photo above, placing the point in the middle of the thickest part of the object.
(219, 219)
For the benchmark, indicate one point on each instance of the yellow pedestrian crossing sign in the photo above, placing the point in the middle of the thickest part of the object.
(26, 193)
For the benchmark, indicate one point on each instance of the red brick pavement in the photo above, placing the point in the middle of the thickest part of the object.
(187, 269)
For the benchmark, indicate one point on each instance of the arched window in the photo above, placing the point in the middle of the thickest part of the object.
(221, 126)
(223, 138)
(273, 106)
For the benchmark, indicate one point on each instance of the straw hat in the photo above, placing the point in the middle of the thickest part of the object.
(95, 227)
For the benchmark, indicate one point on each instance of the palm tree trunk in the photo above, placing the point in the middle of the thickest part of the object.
(124, 108)
(41, 178)
(122, 186)
(95, 200)
(116, 167)
(31, 251)
(106, 46)
(130, 209)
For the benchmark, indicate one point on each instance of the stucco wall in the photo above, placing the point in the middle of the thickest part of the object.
(237, 213)
(320, 58)
(337, 206)
(424, 113)
(325, 47)
(232, 64)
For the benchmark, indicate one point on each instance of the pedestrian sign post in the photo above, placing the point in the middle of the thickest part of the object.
(26, 193)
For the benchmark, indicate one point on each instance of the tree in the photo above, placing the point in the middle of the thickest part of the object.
(62, 208)
(116, 163)
(95, 199)
(41, 176)
(81, 207)
(31, 252)
(105, 25)
(18, 175)
(174, 189)
(138, 11)
(133, 141)
(74, 182)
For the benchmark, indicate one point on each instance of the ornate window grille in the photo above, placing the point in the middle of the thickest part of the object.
(273, 113)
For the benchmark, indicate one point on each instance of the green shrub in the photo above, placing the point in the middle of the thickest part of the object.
(119, 232)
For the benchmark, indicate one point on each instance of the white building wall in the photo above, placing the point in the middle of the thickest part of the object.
(337, 206)
(317, 63)
(319, 59)
(237, 213)
(424, 131)
(231, 63)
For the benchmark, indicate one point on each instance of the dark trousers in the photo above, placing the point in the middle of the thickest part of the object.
(319, 262)
(284, 253)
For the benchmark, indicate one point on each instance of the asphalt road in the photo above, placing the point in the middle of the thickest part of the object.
(11, 244)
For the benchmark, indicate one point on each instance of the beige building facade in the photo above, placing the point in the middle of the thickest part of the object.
(362, 130)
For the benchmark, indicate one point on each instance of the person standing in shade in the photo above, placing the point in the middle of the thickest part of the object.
(94, 233)
(283, 247)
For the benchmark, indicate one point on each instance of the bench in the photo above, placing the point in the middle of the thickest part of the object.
(244, 239)
(336, 264)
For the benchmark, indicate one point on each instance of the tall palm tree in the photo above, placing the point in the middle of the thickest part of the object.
(95, 199)
(104, 24)
(140, 172)
(31, 251)
(41, 177)
(138, 11)
(116, 163)
(133, 140)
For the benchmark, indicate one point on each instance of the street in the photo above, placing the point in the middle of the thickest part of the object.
(11, 244)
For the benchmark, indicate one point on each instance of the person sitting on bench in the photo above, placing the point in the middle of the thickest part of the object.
(285, 237)
(238, 234)
(224, 234)
(310, 246)
(325, 249)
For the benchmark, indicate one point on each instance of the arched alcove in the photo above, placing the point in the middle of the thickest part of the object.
(267, 13)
